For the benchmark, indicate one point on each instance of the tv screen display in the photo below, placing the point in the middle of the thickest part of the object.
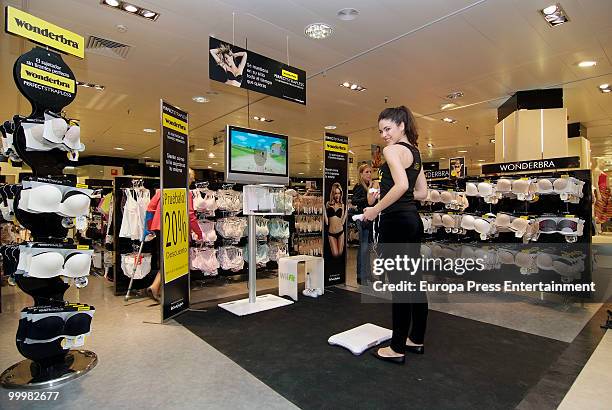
(256, 156)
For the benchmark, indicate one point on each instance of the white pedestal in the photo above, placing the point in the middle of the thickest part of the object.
(264, 302)
(288, 274)
(361, 338)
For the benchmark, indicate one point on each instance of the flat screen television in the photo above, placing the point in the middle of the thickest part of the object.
(256, 157)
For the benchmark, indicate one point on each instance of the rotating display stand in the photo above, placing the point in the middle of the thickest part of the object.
(50, 363)
(258, 200)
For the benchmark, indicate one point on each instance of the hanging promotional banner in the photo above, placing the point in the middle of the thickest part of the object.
(532, 165)
(22, 24)
(456, 167)
(238, 67)
(45, 80)
(335, 187)
(174, 218)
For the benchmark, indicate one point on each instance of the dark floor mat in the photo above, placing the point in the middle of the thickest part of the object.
(467, 364)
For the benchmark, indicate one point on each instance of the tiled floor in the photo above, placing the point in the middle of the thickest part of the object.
(139, 357)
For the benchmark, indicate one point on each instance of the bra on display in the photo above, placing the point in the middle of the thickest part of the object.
(43, 324)
(230, 258)
(277, 250)
(261, 228)
(43, 197)
(135, 265)
(232, 228)
(262, 257)
(279, 228)
(52, 133)
(229, 200)
(46, 261)
(204, 200)
(205, 260)
(208, 231)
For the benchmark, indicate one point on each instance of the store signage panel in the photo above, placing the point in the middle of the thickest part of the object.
(532, 165)
(335, 187)
(242, 68)
(174, 219)
(440, 173)
(44, 79)
(42, 32)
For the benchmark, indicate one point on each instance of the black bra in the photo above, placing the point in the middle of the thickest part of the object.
(232, 77)
(54, 324)
(334, 212)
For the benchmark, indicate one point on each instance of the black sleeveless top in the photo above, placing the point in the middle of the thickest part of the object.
(406, 201)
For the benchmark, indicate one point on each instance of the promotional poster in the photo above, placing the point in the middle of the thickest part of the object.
(335, 203)
(235, 66)
(174, 223)
(456, 167)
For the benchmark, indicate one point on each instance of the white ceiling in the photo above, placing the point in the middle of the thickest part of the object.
(488, 49)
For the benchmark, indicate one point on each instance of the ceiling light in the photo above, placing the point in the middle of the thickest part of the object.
(330, 127)
(149, 130)
(90, 85)
(146, 157)
(211, 155)
(462, 151)
(120, 149)
(200, 149)
(130, 8)
(607, 90)
(602, 86)
(447, 106)
(256, 118)
(300, 173)
(346, 84)
(454, 95)
(492, 140)
(442, 157)
(430, 145)
(353, 86)
(209, 167)
(554, 15)
(148, 14)
(215, 163)
(449, 120)
(318, 31)
(200, 99)
(585, 64)
(481, 160)
(347, 14)
(262, 119)
(351, 152)
(112, 3)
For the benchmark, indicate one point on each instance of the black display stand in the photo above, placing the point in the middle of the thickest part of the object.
(44, 367)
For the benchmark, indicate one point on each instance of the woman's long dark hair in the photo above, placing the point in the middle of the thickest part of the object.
(402, 115)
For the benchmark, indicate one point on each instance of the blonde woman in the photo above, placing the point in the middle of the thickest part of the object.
(362, 198)
(335, 218)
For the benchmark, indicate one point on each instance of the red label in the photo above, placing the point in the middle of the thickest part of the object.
(114, 171)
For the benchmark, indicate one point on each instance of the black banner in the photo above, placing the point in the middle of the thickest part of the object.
(440, 173)
(238, 67)
(431, 166)
(532, 165)
(174, 219)
(45, 80)
(335, 212)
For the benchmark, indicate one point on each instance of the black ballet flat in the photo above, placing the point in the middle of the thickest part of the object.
(416, 349)
(396, 360)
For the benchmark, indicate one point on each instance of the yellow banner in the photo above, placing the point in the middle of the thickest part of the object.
(175, 234)
(46, 78)
(40, 31)
(336, 147)
(289, 74)
(175, 124)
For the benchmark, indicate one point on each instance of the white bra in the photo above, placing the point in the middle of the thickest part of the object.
(206, 203)
(40, 197)
(230, 258)
(136, 266)
(208, 231)
(50, 262)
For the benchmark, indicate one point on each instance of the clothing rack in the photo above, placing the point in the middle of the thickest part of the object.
(125, 245)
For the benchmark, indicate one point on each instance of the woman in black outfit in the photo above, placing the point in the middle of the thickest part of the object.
(362, 198)
(402, 183)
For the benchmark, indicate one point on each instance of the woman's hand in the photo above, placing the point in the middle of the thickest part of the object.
(370, 213)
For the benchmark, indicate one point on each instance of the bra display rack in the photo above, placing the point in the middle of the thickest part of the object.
(222, 256)
(48, 203)
(307, 223)
(536, 227)
(131, 195)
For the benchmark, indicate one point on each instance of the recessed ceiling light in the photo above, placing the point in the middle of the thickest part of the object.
(120, 149)
(481, 160)
(199, 149)
(492, 140)
(330, 127)
(200, 99)
(300, 173)
(149, 130)
(554, 15)
(147, 157)
(442, 157)
(347, 14)
(585, 64)
(607, 90)
(354, 87)
(112, 3)
(346, 84)
(148, 13)
(130, 8)
(449, 120)
(318, 31)
(462, 151)
(447, 106)
(430, 145)
(602, 86)
(351, 152)
(215, 163)
(211, 155)
(209, 167)
(454, 95)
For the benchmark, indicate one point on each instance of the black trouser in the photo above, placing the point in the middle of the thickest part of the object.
(404, 227)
